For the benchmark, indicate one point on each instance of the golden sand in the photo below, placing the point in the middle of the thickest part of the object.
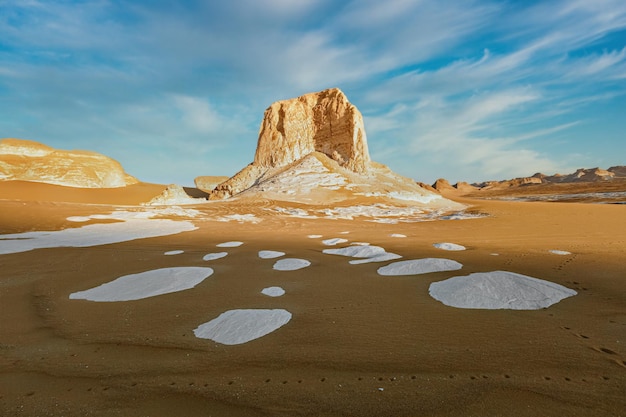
(358, 344)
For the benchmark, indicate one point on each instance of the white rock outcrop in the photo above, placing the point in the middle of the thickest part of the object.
(313, 149)
(26, 160)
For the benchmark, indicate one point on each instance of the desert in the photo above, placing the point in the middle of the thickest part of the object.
(314, 282)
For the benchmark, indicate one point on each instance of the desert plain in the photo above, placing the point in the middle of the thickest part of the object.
(357, 344)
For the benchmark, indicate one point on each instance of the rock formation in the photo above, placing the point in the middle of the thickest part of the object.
(208, 183)
(313, 149)
(174, 194)
(27, 160)
(324, 122)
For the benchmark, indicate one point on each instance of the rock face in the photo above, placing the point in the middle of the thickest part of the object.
(313, 149)
(26, 160)
(324, 122)
(208, 183)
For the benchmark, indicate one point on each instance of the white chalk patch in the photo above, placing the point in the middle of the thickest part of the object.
(560, 252)
(233, 244)
(397, 235)
(498, 290)
(448, 246)
(291, 264)
(235, 327)
(79, 219)
(356, 251)
(273, 291)
(132, 225)
(174, 252)
(344, 233)
(419, 266)
(146, 284)
(334, 241)
(360, 244)
(270, 254)
(370, 253)
(314, 236)
(387, 256)
(241, 218)
(213, 256)
(494, 254)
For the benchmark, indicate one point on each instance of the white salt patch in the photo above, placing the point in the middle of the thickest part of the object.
(356, 251)
(408, 196)
(370, 253)
(270, 254)
(387, 256)
(235, 327)
(498, 290)
(314, 236)
(146, 284)
(133, 225)
(241, 218)
(78, 218)
(233, 244)
(560, 252)
(334, 241)
(213, 256)
(344, 233)
(419, 266)
(398, 235)
(273, 291)
(291, 264)
(173, 252)
(448, 246)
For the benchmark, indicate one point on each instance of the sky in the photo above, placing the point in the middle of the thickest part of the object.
(463, 90)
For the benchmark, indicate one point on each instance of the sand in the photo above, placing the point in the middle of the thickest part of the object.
(357, 343)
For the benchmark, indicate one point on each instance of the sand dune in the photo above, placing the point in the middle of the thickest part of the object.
(343, 340)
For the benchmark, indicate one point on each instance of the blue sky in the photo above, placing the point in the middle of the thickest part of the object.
(466, 90)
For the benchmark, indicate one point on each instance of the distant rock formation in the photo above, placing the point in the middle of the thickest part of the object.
(314, 149)
(580, 176)
(27, 160)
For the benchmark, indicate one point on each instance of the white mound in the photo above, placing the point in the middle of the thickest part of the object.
(397, 235)
(146, 284)
(314, 236)
(560, 252)
(173, 252)
(132, 225)
(214, 255)
(498, 290)
(232, 244)
(273, 291)
(235, 327)
(270, 254)
(448, 246)
(291, 264)
(419, 266)
(334, 241)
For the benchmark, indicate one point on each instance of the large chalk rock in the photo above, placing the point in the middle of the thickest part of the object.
(27, 160)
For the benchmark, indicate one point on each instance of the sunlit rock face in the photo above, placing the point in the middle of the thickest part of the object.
(26, 160)
(323, 122)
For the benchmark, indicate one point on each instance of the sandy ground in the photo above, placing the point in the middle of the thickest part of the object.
(359, 344)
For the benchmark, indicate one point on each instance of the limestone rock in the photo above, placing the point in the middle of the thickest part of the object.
(174, 194)
(27, 160)
(208, 183)
(324, 122)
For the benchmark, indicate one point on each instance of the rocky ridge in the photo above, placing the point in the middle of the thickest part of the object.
(27, 160)
(582, 175)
